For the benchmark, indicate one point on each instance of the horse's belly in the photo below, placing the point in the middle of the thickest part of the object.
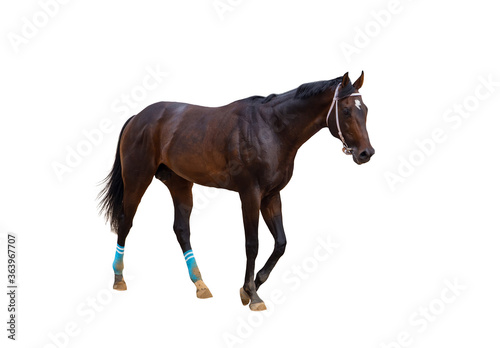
(201, 168)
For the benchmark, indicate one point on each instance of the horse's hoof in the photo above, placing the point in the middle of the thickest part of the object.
(202, 290)
(245, 299)
(259, 306)
(120, 285)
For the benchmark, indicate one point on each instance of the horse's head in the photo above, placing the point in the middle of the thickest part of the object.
(346, 119)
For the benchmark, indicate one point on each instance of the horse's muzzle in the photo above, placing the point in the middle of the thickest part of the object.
(363, 156)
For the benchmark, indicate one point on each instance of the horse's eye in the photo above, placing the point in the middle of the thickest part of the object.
(346, 112)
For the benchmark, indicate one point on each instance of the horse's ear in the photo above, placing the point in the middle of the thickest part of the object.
(345, 79)
(359, 81)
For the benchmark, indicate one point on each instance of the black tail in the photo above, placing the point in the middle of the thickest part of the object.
(111, 196)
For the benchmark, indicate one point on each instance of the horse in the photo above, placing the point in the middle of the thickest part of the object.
(247, 146)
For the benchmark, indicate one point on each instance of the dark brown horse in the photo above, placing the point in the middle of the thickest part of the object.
(247, 146)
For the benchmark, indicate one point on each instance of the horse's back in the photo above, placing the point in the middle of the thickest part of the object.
(195, 142)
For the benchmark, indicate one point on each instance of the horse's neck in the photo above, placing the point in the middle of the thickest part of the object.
(302, 118)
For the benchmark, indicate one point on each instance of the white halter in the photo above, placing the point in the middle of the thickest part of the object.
(347, 150)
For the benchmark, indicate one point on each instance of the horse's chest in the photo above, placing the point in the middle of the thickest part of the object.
(276, 173)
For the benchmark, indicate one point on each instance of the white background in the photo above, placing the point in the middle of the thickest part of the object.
(396, 248)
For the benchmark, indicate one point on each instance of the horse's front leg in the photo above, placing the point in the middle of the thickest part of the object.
(271, 212)
(250, 204)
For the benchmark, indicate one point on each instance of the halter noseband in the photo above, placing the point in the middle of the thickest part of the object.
(346, 149)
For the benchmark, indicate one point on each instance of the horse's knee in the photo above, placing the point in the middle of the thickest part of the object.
(252, 248)
(280, 247)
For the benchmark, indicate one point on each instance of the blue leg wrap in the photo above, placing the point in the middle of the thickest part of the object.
(118, 263)
(194, 272)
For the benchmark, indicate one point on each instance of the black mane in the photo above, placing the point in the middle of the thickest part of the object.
(310, 89)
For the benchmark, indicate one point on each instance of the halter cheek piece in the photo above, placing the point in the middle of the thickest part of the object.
(346, 149)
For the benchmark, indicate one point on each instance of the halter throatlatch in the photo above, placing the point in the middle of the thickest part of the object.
(346, 149)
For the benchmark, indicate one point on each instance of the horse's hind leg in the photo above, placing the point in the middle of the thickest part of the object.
(181, 191)
(135, 184)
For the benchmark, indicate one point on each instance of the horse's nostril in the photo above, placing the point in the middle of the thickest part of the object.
(363, 155)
